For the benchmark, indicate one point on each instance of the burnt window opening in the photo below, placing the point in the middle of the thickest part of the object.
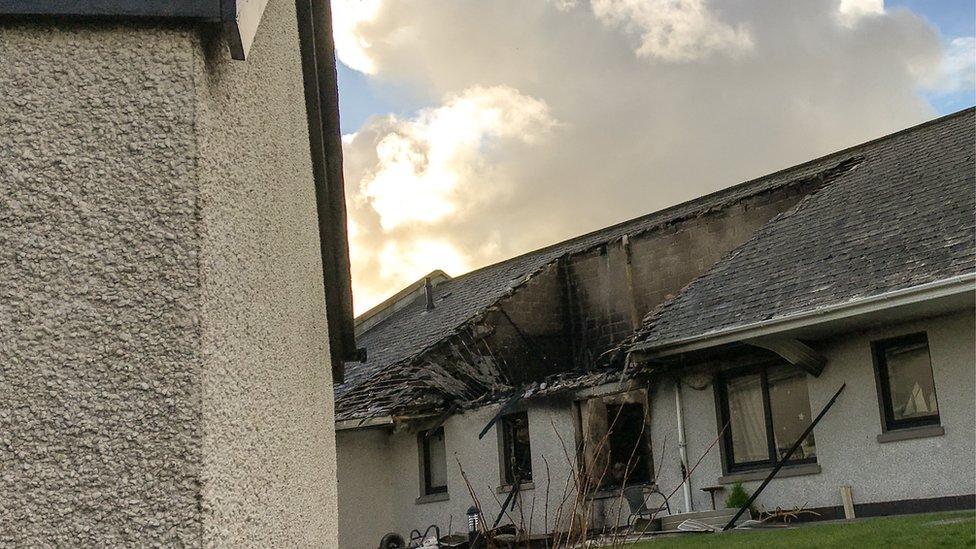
(433, 452)
(616, 448)
(906, 386)
(516, 449)
(628, 452)
(767, 408)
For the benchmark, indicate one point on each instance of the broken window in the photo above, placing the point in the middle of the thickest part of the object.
(616, 440)
(767, 409)
(433, 461)
(905, 382)
(628, 453)
(516, 450)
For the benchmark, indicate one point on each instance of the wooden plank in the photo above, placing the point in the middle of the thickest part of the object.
(847, 496)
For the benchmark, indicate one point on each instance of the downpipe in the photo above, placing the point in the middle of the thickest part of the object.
(682, 447)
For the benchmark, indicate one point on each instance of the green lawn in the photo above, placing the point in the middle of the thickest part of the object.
(956, 529)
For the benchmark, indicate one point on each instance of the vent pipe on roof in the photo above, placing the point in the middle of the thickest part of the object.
(429, 293)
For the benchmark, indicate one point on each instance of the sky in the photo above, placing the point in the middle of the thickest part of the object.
(475, 131)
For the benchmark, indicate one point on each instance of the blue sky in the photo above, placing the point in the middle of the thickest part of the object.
(361, 97)
(954, 19)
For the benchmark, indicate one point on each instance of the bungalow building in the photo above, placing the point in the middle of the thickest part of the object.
(685, 351)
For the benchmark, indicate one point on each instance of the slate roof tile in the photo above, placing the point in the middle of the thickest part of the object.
(905, 216)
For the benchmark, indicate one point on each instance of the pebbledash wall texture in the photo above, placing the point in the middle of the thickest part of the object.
(164, 371)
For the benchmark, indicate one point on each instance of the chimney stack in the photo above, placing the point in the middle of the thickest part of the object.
(429, 293)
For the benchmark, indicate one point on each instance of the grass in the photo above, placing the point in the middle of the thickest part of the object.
(957, 529)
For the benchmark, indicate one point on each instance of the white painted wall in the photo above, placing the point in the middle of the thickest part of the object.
(365, 479)
(379, 476)
(379, 471)
(164, 367)
(847, 448)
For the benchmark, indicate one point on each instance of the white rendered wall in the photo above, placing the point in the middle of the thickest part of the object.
(847, 448)
(379, 471)
(164, 368)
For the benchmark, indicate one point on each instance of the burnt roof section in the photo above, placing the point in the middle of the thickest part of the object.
(392, 374)
(905, 216)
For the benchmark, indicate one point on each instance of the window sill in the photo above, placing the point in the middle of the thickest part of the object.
(506, 488)
(607, 493)
(760, 474)
(431, 498)
(926, 431)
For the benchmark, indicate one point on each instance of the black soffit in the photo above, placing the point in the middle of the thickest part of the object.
(241, 17)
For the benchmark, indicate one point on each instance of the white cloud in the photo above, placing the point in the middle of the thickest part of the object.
(674, 30)
(425, 166)
(957, 71)
(564, 5)
(486, 174)
(430, 169)
(412, 260)
(351, 46)
(851, 11)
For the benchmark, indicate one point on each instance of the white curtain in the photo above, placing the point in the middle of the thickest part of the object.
(748, 421)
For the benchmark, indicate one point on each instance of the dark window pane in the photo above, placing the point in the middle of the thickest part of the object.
(910, 382)
(435, 461)
(747, 419)
(789, 404)
(628, 456)
(517, 448)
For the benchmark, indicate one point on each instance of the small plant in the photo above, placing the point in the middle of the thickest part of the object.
(737, 497)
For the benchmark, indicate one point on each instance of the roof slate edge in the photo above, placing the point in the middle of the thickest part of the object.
(853, 307)
(437, 276)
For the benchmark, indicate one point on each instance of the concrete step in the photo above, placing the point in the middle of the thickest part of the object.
(719, 518)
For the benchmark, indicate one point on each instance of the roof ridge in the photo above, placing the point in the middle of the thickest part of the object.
(738, 186)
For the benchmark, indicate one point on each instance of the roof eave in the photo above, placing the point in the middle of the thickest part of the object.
(350, 424)
(948, 287)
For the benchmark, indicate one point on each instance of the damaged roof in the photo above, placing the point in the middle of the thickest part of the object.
(393, 375)
(905, 216)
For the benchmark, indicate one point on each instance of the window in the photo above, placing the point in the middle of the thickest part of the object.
(516, 449)
(906, 388)
(767, 408)
(628, 455)
(616, 440)
(434, 461)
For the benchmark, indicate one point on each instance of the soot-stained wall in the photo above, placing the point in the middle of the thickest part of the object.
(537, 310)
(584, 304)
(663, 261)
